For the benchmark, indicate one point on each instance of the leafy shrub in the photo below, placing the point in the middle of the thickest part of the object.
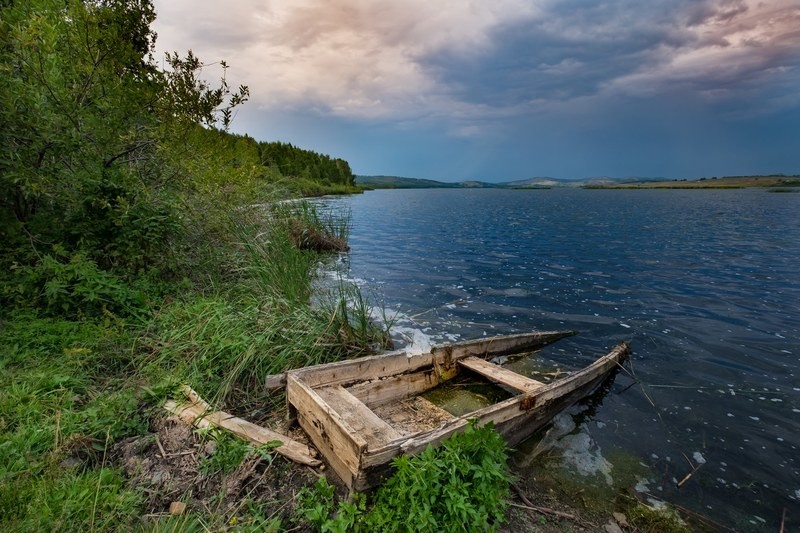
(460, 486)
(72, 285)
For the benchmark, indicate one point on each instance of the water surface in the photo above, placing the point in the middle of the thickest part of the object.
(704, 284)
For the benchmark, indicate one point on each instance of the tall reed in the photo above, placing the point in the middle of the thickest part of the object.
(262, 321)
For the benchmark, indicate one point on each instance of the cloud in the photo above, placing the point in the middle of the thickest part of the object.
(737, 48)
(354, 58)
(463, 62)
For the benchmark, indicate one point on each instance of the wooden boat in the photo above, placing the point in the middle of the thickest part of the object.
(337, 404)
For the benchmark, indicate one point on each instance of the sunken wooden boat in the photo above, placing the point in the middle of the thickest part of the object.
(338, 404)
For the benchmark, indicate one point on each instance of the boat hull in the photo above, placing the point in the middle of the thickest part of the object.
(333, 403)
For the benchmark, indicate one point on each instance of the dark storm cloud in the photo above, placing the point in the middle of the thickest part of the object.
(577, 49)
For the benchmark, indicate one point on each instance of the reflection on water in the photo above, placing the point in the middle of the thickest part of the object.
(704, 284)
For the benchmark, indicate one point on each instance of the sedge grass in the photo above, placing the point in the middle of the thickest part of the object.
(263, 321)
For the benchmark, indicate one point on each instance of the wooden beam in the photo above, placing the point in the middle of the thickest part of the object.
(394, 388)
(275, 382)
(329, 432)
(501, 375)
(441, 357)
(358, 416)
(196, 412)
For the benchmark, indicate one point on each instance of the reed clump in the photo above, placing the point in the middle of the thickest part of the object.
(260, 319)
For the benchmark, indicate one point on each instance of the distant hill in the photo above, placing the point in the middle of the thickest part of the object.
(599, 182)
(399, 182)
(723, 182)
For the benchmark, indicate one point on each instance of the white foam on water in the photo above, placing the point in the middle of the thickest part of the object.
(419, 342)
(698, 458)
(658, 505)
(582, 452)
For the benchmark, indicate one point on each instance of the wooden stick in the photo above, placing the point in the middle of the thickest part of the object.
(199, 414)
(161, 448)
(688, 476)
(547, 511)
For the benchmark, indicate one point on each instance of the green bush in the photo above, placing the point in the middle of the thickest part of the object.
(460, 486)
(72, 286)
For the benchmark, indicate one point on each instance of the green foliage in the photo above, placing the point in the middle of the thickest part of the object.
(261, 320)
(306, 164)
(72, 286)
(76, 501)
(229, 453)
(111, 168)
(647, 519)
(118, 186)
(87, 160)
(232, 341)
(460, 486)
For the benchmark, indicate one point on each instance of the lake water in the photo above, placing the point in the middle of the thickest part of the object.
(704, 284)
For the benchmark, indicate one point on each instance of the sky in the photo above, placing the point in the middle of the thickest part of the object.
(506, 90)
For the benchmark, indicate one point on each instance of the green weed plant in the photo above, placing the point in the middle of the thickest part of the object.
(462, 485)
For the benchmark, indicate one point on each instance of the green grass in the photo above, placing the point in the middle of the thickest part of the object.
(58, 415)
(70, 388)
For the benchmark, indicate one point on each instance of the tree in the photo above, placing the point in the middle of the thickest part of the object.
(85, 115)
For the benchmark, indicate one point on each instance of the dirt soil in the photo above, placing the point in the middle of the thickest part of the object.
(165, 465)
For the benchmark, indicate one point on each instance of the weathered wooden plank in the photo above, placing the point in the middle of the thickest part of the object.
(370, 367)
(442, 357)
(329, 432)
(601, 366)
(275, 382)
(358, 416)
(499, 345)
(199, 415)
(500, 375)
(394, 388)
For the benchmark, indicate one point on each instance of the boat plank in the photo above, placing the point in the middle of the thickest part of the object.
(329, 432)
(501, 375)
(198, 415)
(394, 388)
(358, 416)
(441, 357)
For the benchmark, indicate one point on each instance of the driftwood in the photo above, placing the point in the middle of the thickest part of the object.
(199, 414)
(317, 239)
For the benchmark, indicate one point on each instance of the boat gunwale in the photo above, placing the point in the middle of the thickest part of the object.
(599, 368)
(415, 362)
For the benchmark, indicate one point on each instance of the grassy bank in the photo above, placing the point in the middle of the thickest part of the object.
(74, 392)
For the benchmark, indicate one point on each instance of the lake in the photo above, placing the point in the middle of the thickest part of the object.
(704, 284)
